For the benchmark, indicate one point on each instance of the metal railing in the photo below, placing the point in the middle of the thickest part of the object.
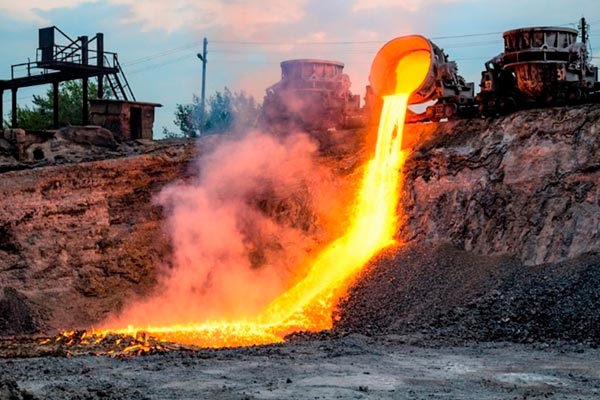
(76, 53)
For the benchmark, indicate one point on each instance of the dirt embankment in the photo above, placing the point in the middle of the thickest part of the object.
(78, 239)
(501, 230)
(81, 239)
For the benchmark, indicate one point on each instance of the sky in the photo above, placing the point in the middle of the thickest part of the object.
(157, 40)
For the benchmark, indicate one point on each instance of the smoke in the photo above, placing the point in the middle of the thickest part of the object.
(242, 229)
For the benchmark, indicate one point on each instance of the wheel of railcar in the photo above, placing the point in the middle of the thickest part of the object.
(450, 110)
(574, 96)
(507, 105)
(430, 114)
(484, 110)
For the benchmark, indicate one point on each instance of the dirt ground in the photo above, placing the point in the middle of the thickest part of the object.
(350, 367)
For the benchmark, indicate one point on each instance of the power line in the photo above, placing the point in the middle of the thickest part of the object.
(269, 53)
(162, 64)
(274, 51)
(160, 54)
(167, 52)
(466, 36)
(341, 43)
(294, 43)
(281, 43)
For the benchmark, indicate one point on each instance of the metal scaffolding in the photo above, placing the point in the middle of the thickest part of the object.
(76, 59)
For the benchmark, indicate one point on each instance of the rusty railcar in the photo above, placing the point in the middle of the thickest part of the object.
(540, 66)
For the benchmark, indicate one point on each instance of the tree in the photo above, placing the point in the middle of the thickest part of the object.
(187, 118)
(226, 111)
(40, 114)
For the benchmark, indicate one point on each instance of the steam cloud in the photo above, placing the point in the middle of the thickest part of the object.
(242, 229)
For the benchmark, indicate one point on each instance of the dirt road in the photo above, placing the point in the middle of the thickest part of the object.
(352, 367)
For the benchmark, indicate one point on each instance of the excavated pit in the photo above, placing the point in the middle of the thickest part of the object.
(502, 243)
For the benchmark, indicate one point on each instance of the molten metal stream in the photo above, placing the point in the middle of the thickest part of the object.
(308, 305)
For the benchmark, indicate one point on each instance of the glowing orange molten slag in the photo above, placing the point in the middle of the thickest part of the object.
(308, 305)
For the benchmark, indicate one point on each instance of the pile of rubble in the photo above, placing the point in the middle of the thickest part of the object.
(448, 295)
(20, 149)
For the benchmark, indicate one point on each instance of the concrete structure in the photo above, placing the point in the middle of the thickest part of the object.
(312, 94)
(129, 119)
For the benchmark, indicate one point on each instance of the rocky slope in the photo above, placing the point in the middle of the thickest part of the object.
(498, 214)
(524, 185)
(77, 239)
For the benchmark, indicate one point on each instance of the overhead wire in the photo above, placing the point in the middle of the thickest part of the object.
(190, 45)
(450, 46)
(159, 65)
(267, 51)
(161, 54)
(152, 57)
(282, 43)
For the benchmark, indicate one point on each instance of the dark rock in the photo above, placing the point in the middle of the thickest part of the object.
(15, 314)
(6, 147)
(451, 294)
(89, 135)
(9, 390)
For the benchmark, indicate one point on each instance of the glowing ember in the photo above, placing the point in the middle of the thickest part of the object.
(308, 305)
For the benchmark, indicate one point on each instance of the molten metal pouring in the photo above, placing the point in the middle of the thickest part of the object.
(308, 305)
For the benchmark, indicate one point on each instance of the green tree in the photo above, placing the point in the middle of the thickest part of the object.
(226, 111)
(39, 114)
(187, 118)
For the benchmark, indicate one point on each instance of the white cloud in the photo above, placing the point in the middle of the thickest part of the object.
(313, 37)
(410, 5)
(238, 16)
(32, 10)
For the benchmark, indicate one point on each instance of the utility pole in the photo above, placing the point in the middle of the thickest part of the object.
(202, 58)
(584, 36)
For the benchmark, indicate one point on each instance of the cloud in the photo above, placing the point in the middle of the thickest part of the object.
(410, 5)
(33, 10)
(237, 16)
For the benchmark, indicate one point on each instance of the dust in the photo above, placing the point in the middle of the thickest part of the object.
(256, 207)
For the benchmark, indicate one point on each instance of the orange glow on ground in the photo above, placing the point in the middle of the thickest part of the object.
(308, 305)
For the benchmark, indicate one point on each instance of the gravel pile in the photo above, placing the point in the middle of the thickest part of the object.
(451, 295)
